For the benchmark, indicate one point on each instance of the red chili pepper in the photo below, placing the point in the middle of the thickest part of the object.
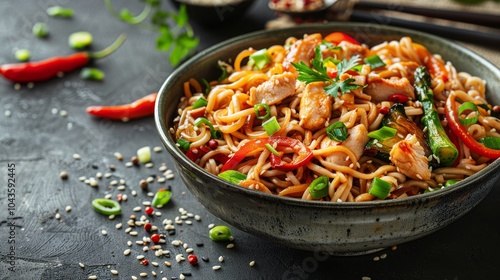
(142, 107)
(305, 154)
(458, 129)
(46, 69)
(398, 98)
(337, 37)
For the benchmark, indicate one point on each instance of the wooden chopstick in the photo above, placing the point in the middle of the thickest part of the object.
(472, 36)
(483, 19)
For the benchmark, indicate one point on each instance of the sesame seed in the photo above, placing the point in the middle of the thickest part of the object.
(145, 248)
(149, 165)
(58, 216)
(63, 113)
(111, 217)
(162, 168)
(92, 277)
(383, 256)
(76, 156)
(140, 257)
(211, 225)
(118, 226)
(107, 175)
(143, 274)
(153, 272)
(121, 187)
(216, 267)
(157, 149)
(252, 263)
(133, 233)
(168, 264)
(230, 245)
(221, 258)
(161, 179)
(376, 258)
(114, 271)
(104, 232)
(197, 217)
(127, 230)
(134, 277)
(63, 175)
(137, 209)
(129, 164)
(134, 193)
(118, 156)
(154, 263)
(179, 258)
(365, 278)
(81, 265)
(129, 243)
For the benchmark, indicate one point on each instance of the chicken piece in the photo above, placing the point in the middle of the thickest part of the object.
(380, 89)
(358, 137)
(274, 90)
(409, 158)
(302, 50)
(349, 50)
(315, 106)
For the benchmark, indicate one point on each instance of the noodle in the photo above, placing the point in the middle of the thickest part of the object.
(350, 169)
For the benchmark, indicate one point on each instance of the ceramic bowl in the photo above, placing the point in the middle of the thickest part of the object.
(214, 12)
(337, 228)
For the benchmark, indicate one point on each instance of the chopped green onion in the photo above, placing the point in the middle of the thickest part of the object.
(106, 206)
(256, 109)
(89, 73)
(465, 107)
(23, 55)
(374, 61)
(272, 149)
(224, 73)
(40, 29)
(220, 233)
(183, 144)
(337, 131)
(450, 182)
(58, 11)
(162, 197)
(319, 187)
(384, 133)
(491, 142)
(215, 134)
(208, 87)
(201, 102)
(271, 126)
(144, 154)
(260, 58)
(80, 40)
(380, 188)
(232, 176)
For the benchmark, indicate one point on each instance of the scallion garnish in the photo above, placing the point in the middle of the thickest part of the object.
(183, 144)
(491, 142)
(319, 187)
(384, 133)
(468, 106)
(256, 109)
(89, 73)
(215, 134)
(450, 182)
(232, 176)
(272, 149)
(201, 102)
(380, 188)
(337, 131)
(260, 58)
(374, 61)
(271, 126)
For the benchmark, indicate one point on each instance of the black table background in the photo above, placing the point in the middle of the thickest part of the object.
(41, 145)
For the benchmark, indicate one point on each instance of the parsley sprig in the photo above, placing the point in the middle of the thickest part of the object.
(175, 34)
(318, 73)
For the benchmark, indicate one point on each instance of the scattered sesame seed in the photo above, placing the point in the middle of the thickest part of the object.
(394, 247)
(104, 232)
(108, 196)
(58, 216)
(197, 217)
(216, 267)
(211, 225)
(111, 217)
(127, 230)
(154, 263)
(182, 277)
(143, 274)
(63, 175)
(162, 168)
(230, 245)
(252, 263)
(92, 277)
(134, 277)
(154, 273)
(76, 156)
(149, 165)
(140, 257)
(118, 226)
(221, 258)
(114, 271)
(63, 113)
(168, 264)
(179, 258)
(383, 256)
(376, 258)
(137, 209)
(118, 156)
(129, 243)
(81, 265)
(365, 278)
(133, 233)
(121, 188)
(129, 164)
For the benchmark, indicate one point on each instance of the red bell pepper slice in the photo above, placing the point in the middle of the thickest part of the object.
(304, 153)
(337, 37)
(459, 130)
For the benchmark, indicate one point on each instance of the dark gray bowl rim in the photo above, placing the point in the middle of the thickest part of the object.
(179, 155)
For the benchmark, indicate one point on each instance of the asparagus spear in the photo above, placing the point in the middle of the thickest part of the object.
(439, 142)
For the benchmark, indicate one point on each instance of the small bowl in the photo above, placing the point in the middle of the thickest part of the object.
(214, 12)
(334, 227)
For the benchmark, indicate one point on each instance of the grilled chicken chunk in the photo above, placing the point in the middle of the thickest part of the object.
(409, 157)
(315, 106)
(380, 89)
(273, 91)
(358, 137)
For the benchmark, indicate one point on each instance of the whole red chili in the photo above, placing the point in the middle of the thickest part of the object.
(155, 238)
(193, 259)
(142, 107)
(149, 210)
(48, 68)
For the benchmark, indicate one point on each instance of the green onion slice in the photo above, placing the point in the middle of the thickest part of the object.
(144, 154)
(272, 149)
(260, 58)
(319, 187)
(384, 133)
(58, 11)
(466, 107)
(22, 55)
(256, 109)
(162, 197)
(40, 29)
(106, 206)
(450, 182)
(201, 102)
(80, 40)
(337, 131)
(183, 144)
(215, 134)
(374, 61)
(491, 142)
(220, 233)
(89, 73)
(232, 176)
(271, 126)
(380, 188)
